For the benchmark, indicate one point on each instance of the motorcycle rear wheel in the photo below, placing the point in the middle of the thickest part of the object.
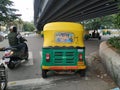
(11, 65)
(26, 57)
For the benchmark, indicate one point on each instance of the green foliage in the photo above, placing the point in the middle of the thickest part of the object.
(7, 14)
(118, 3)
(117, 21)
(27, 26)
(96, 25)
(92, 24)
(88, 24)
(86, 36)
(115, 42)
(100, 23)
(107, 21)
(17, 21)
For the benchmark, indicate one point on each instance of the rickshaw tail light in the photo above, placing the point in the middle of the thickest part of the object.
(80, 57)
(47, 57)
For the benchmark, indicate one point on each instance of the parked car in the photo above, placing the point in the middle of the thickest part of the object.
(1, 38)
(4, 34)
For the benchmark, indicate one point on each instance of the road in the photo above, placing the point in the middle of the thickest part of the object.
(31, 70)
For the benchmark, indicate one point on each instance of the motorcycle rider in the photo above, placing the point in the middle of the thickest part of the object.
(16, 41)
(12, 37)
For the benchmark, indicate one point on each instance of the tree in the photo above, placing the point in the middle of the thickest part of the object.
(117, 21)
(96, 25)
(107, 21)
(117, 18)
(27, 26)
(101, 22)
(87, 24)
(92, 24)
(7, 14)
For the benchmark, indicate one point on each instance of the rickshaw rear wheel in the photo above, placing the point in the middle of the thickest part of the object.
(82, 72)
(44, 73)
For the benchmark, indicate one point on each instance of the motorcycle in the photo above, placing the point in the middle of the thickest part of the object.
(14, 55)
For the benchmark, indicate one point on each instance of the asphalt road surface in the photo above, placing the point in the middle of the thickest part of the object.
(31, 70)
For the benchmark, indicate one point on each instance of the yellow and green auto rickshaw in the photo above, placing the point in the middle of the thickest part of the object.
(63, 48)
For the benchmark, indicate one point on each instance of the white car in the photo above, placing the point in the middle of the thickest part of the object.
(1, 38)
(5, 35)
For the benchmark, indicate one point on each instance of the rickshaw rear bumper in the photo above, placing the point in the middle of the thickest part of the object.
(64, 67)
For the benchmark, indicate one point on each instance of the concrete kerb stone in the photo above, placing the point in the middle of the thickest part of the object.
(111, 60)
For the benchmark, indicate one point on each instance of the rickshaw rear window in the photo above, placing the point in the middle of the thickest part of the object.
(64, 37)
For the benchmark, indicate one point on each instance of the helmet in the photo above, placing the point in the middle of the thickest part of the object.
(14, 29)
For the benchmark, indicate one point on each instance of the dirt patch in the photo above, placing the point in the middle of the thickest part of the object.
(96, 66)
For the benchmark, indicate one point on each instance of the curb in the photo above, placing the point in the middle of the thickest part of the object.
(111, 60)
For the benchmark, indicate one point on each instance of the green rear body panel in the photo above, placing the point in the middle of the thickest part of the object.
(62, 56)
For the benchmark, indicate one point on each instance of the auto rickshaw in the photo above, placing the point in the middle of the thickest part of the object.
(63, 48)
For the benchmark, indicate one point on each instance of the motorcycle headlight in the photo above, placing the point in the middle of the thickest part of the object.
(11, 52)
(8, 53)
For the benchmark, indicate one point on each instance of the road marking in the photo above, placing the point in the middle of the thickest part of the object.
(38, 83)
(29, 84)
(41, 54)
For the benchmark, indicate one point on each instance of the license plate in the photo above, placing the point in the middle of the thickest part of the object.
(6, 60)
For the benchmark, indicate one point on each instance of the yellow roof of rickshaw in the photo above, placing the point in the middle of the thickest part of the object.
(50, 29)
(63, 26)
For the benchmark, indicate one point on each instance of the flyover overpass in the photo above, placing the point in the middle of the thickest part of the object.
(71, 10)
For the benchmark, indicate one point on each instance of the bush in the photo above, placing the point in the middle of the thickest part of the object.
(115, 42)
